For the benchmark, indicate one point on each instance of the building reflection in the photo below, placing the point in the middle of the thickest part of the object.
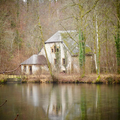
(58, 102)
(62, 102)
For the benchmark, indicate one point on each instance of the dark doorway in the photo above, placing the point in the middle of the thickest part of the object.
(30, 68)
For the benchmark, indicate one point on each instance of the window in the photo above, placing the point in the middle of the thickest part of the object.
(52, 50)
(57, 50)
(63, 61)
(24, 68)
(55, 61)
(30, 69)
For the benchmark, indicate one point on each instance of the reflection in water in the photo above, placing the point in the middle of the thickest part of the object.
(60, 102)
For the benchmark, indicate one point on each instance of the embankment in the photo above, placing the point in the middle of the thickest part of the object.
(65, 78)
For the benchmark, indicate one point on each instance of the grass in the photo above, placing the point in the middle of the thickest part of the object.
(91, 79)
(67, 78)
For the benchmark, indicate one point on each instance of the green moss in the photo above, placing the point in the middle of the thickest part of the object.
(18, 77)
(98, 80)
(58, 57)
(87, 49)
(2, 81)
(83, 75)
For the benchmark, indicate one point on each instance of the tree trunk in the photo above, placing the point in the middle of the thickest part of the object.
(117, 37)
(98, 48)
(81, 53)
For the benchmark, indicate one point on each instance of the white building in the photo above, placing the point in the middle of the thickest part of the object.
(36, 64)
(62, 51)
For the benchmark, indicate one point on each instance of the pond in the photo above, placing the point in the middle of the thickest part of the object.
(60, 102)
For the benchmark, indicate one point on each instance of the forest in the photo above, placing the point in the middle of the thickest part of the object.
(96, 21)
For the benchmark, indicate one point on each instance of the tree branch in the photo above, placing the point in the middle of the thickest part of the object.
(16, 117)
(91, 8)
(69, 34)
(117, 17)
(3, 103)
(10, 70)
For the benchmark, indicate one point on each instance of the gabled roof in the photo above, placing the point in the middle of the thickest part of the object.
(35, 60)
(70, 39)
(57, 36)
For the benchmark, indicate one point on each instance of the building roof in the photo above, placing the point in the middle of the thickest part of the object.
(57, 36)
(70, 40)
(35, 60)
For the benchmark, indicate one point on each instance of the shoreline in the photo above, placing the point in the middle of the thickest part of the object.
(65, 78)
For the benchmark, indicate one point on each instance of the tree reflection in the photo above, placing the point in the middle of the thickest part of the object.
(119, 105)
(73, 102)
(83, 106)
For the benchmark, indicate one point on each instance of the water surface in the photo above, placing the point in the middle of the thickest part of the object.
(60, 102)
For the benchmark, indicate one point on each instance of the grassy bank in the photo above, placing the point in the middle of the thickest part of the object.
(76, 78)
(91, 79)
(65, 78)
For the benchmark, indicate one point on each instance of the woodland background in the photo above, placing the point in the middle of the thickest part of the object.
(20, 35)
